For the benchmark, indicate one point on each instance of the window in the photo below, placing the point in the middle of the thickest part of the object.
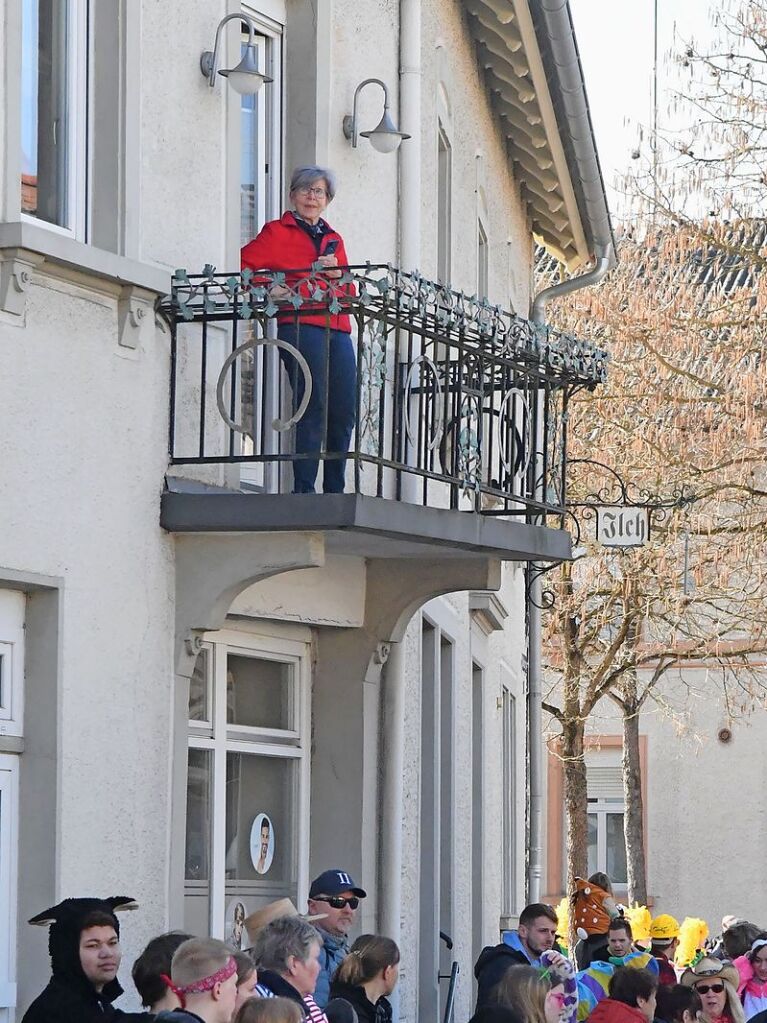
(53, 112)
(9, 815)
(261, 135)
(247, 780)
(607, 847)
(482, 260)
(437, 845)
(12, 609)
(477, 806)
(12, 615)
(260, 200)
(444, 175)
(509, 753)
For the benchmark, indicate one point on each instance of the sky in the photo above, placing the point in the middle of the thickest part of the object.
(615, 39)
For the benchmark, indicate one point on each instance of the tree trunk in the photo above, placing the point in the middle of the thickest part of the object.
(633, 820)
(576, 802)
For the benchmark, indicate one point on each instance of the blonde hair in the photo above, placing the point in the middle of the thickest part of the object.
(269, 1010)
(368, 956)
(732, 1005)
(198, 958)
(523, 990)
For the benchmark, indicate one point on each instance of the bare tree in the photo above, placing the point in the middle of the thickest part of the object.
(683, 415)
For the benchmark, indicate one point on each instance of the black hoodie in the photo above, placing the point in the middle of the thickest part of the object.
(493, 962)
(70, 997)
(367, 1011)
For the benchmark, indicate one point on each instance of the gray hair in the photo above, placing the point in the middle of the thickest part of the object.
(304, 177)
(282, 938)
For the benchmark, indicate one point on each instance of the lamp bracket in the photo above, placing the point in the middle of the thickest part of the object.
(209, 58)
(351, 128)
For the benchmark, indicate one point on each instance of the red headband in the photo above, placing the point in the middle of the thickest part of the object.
(205, 984)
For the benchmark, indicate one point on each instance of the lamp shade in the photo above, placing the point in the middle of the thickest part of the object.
(246, 78)
(385, 137)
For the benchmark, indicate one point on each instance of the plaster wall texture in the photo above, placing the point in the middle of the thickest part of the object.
(365, 44)
(331, 595)
(183, 138)
(82, 474)
(706, 807)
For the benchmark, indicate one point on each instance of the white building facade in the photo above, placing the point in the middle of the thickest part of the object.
(186, 649)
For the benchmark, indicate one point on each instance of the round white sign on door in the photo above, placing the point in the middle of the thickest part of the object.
(262, 843)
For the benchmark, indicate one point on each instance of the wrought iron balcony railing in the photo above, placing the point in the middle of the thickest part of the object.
(457, 403)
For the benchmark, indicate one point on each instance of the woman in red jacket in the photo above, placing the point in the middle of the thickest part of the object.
(294, 242)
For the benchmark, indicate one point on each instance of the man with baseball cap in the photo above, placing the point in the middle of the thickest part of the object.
(336, 895)
(664, 935)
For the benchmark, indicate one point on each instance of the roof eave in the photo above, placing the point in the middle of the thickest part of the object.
(559, 52)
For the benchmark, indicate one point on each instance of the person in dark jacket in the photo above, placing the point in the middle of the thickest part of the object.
(84, 946)
(367, 977)
(523, 947)
(632, 998)
(295, 243)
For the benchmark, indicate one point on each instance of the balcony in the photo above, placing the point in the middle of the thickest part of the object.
(460, 415)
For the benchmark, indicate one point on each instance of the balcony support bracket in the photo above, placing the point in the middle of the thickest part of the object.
(16, 269)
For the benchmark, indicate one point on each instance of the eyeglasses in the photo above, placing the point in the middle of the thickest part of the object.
(703, 989)
(319, 192)
(558, 997)
(337, 901)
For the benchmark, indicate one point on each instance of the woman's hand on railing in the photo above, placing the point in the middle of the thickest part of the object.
(327, 262)
(278, 291)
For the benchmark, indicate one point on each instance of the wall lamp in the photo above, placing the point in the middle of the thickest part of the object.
(245, 78)
(385, 137)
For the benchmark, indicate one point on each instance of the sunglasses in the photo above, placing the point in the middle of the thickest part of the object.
(338, 902)
(558, 997)
(703, 989)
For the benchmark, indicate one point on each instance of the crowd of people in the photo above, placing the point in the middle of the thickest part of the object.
(616, 978)
(302, 967)
(298, 967)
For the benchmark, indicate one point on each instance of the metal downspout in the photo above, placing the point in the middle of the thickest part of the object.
(534, 680)
(392, 748)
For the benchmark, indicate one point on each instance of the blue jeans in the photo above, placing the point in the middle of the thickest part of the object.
(334, 374)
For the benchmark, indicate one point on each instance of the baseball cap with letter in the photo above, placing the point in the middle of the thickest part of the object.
(333, 882)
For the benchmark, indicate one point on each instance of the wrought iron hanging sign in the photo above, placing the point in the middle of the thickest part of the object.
(623, 513)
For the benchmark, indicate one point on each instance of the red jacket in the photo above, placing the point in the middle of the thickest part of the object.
(610, 1011)
(283, 245)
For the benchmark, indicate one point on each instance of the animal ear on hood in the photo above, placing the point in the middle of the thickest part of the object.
(46, 918)
(121, 903)
(69, 911)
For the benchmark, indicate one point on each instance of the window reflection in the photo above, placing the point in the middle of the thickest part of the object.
(45, 110)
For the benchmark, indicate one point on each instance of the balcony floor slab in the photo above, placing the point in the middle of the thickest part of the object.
(364, 526)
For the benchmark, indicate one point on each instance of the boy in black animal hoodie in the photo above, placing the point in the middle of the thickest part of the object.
(85, 955)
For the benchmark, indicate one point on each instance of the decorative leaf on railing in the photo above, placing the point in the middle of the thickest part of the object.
(401, 299)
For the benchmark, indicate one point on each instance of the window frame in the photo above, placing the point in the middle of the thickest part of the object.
(443, 205)
(221, 738)
(269, 17)
(78, 128)
(9, 841)
(12, 663)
